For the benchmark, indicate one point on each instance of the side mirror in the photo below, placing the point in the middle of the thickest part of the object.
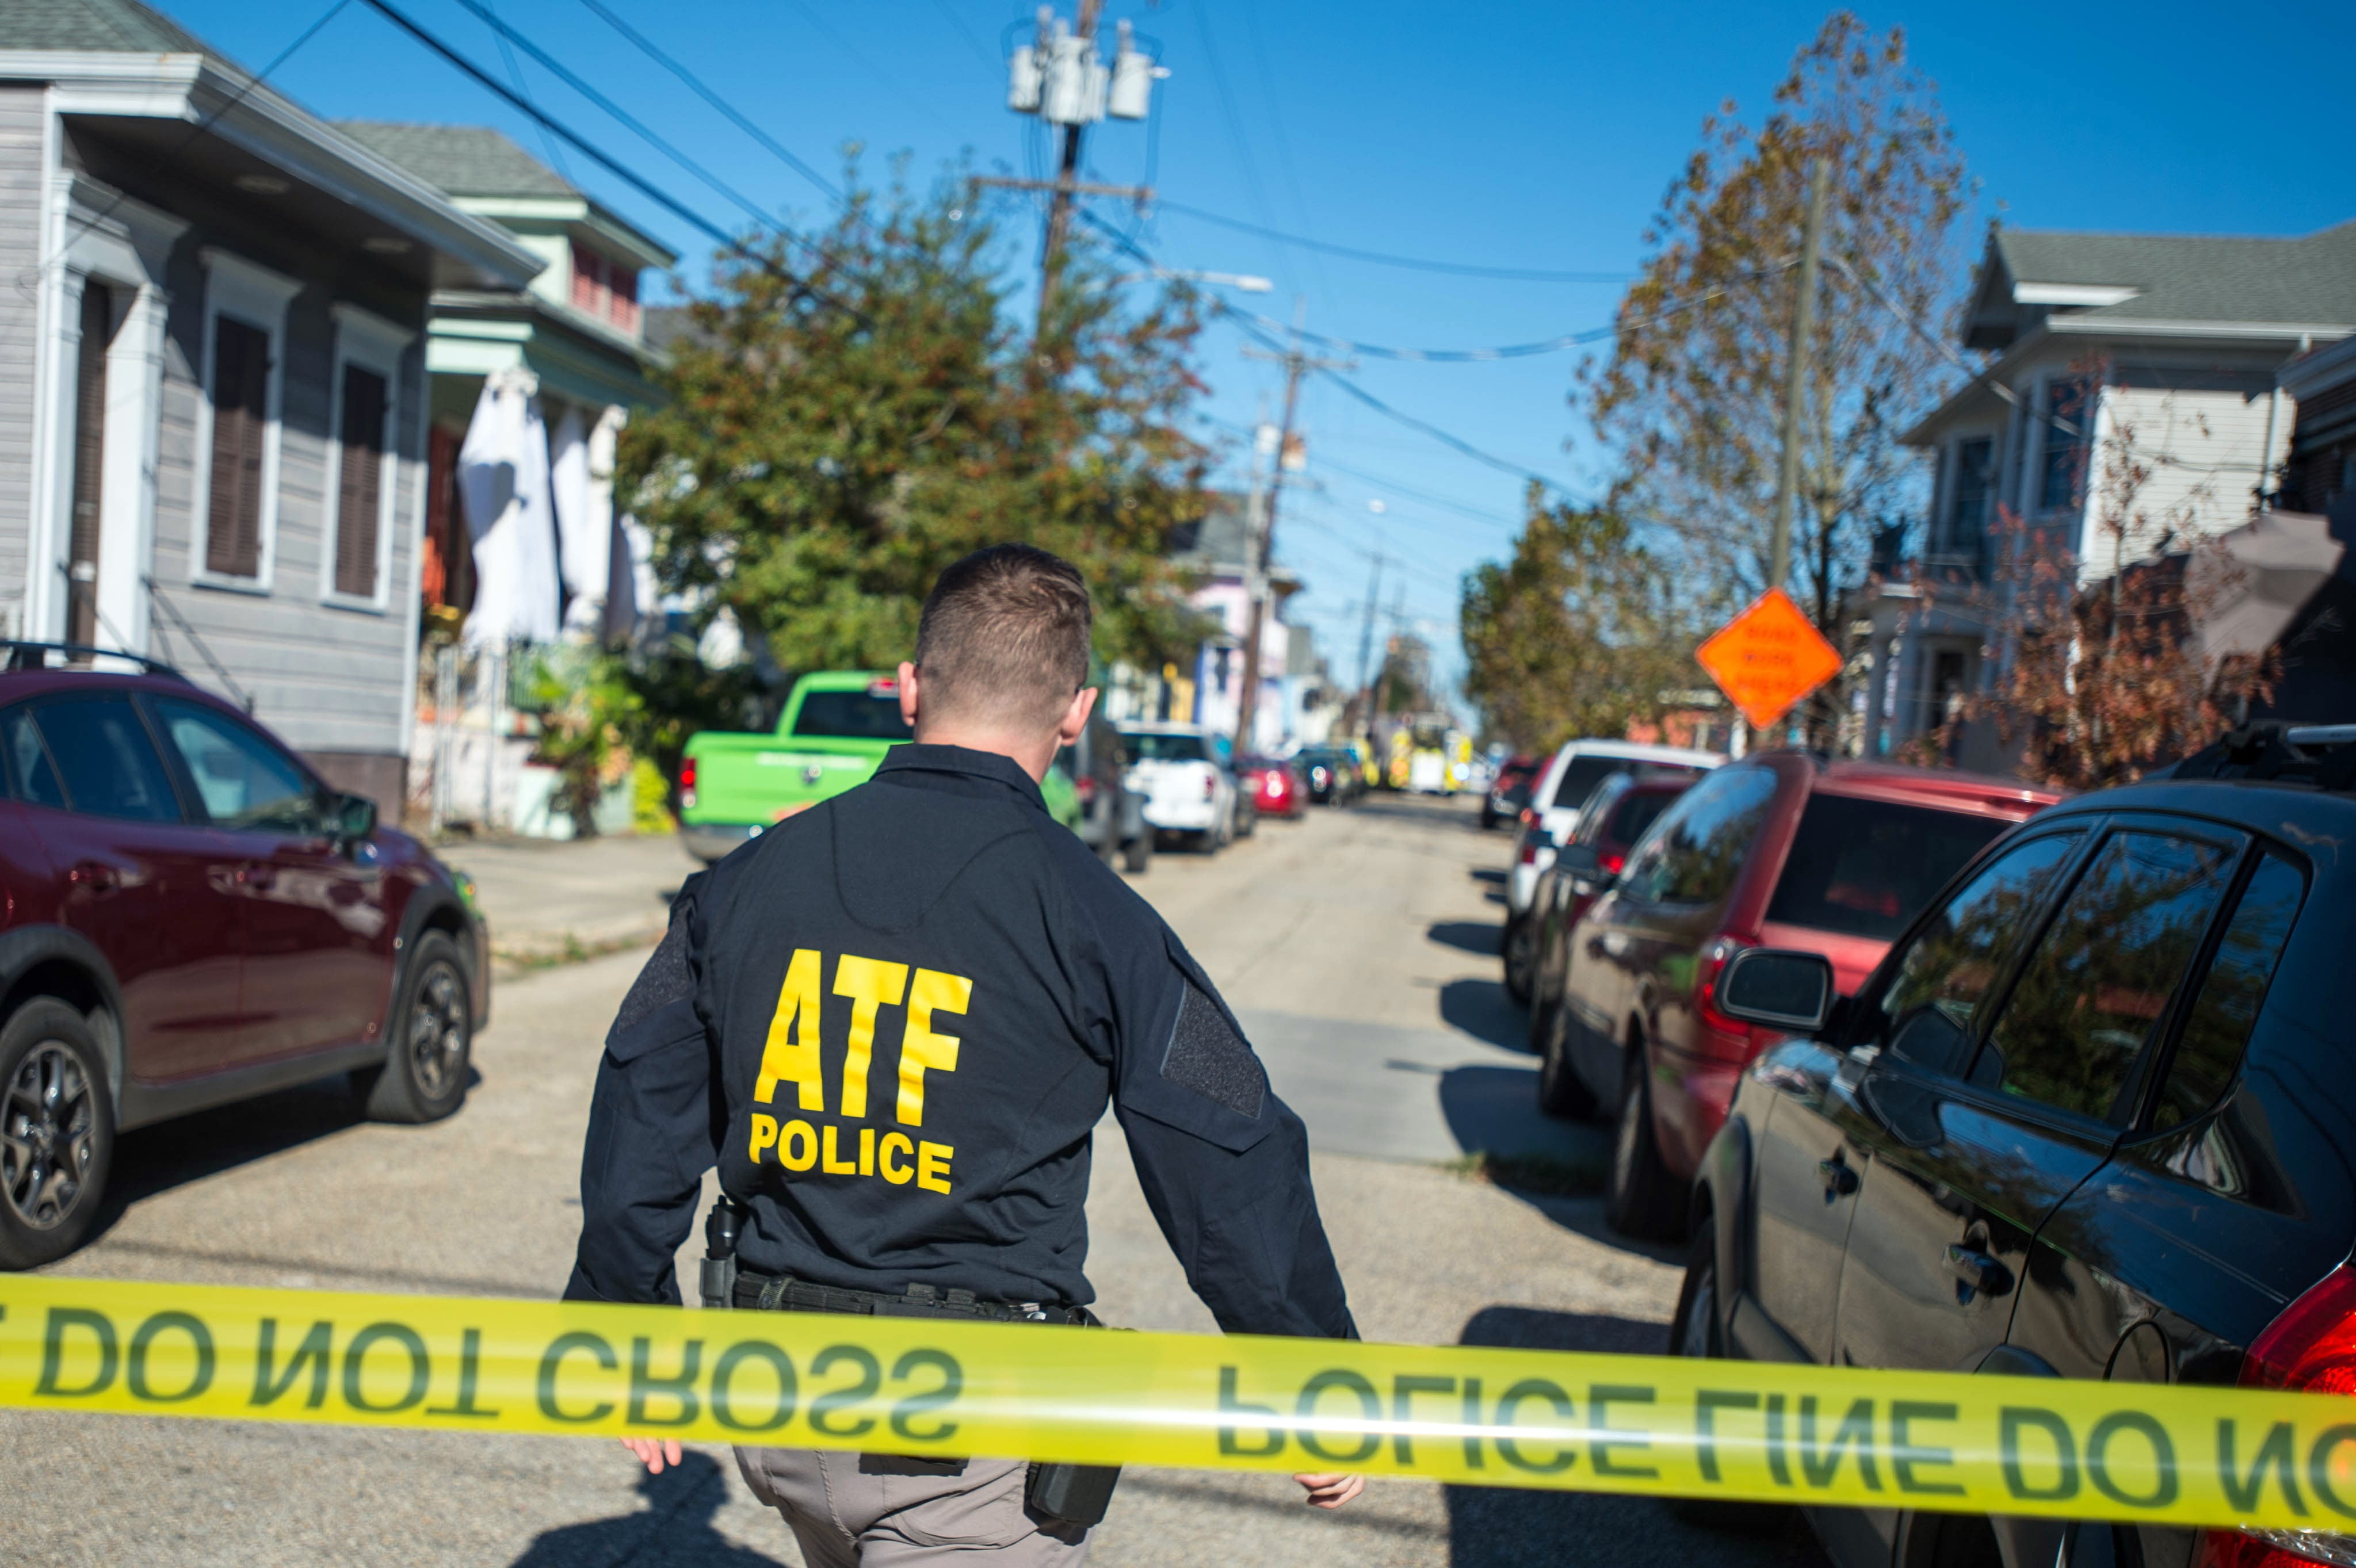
(353, 818)
(1583, 862)
(1777, 988)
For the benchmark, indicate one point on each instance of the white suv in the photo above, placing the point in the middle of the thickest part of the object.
(1563, 786)
(1187, 789)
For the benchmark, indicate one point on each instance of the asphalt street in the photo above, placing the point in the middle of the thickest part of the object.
(1359, 950)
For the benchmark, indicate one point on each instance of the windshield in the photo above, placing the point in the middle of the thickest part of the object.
(1150, 747)
(851, 716)
(1863, 867)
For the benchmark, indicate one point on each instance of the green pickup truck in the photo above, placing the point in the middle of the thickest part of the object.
(836, 728)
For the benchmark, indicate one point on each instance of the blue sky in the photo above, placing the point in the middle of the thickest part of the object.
(1525, 137)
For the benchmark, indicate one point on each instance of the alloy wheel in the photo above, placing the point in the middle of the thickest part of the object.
(437, 1030)
(48, 1131)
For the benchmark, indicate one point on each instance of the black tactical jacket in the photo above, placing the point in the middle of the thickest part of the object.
(892, 1022)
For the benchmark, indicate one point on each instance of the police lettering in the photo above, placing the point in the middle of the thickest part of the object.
(793, 1055)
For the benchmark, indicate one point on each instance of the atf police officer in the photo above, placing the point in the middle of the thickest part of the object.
(892, 1022)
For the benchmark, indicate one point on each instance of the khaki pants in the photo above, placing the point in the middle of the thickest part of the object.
(877, 1510)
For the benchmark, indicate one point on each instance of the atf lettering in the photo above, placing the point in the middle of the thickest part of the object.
(798, 1062)
(870, 983)
(922, 1050)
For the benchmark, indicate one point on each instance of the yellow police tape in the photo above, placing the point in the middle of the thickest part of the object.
(1730, 1430)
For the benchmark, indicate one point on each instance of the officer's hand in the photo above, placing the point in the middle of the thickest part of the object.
(1332, 1491)
(657, 1452)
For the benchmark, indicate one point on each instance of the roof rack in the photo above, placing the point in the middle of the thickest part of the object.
(24, 656)
(2320, 754)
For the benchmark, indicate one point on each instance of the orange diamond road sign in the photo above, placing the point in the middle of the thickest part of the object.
(1769, 657)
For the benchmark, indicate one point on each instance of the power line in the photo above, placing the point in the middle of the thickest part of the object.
(825, 30)
(1457, 269)
(515, 72)
(733, 116)
(612, 165)
(1227, 111)
(966, 33)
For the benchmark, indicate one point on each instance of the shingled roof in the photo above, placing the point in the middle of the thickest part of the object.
(462, 160)
(2302, 281)
(102, 26)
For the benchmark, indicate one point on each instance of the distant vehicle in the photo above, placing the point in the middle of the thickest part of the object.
(1785, 849)
(1332, 777)
(1620, 812)
(1509, 792)
(194, 918)
(1111, 815)
(2079, 1121)
(836, 727)
(1188, 790)
(1562, 787)
(1273, 785)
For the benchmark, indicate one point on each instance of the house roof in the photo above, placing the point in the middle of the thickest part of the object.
(104, 27)
(1216, 540)
(463, 160)
(2092, 283)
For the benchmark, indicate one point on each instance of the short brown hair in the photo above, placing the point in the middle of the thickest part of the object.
(1004, 637)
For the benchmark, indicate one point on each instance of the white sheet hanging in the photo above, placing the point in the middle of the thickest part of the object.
(503, 482)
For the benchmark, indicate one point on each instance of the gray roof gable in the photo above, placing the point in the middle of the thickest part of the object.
(102, 26)
(2308, 280)
(463, 160)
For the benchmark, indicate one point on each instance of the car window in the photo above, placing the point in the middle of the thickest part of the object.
(1148, 746)
(1581, 774)
(1636, 813)
(1864, 868)
(29, 772)
(853, 715)
(104, 759)
(2100, 977)
(1697, 850)
(243, 780)
(2225, 1008)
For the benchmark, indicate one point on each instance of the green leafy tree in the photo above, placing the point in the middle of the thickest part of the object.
(1691, 399)
(1575, 635)
(828, 445)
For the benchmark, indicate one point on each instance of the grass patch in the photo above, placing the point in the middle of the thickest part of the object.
(1539, 1174)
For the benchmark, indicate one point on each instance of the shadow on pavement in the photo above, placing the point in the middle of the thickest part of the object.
(1496, 1110)
(1510, 1528)
(1465, 935)
(172, 1153)
(674, 1531)
(1489, 874)
(1482, 1008)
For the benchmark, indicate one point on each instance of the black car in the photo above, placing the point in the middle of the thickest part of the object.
(1112, 815)
(1329, 776)
(2092, 1118)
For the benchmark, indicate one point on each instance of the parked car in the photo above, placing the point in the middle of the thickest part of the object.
(2080, 1121)
(1110, 816)
(1275, 789)
(1332, 776)
(1509, 792)
(1563, 786)
(1614, 819)
(1786, 850)
(193, 917)
(1188, 791)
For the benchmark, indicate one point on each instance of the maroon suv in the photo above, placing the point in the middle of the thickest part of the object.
(193, 917)
(1787, 850)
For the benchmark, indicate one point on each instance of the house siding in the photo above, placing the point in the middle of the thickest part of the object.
(23, 159)
(2201, 450)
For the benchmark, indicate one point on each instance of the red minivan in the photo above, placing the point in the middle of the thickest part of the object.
(1786, 850)
(194, 917)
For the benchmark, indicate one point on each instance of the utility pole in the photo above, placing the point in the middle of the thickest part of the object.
(1260, 545)
(1796, 372)
(1366, 649)
(1061, 80)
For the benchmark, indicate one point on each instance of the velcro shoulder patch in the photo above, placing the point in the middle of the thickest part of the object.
(664, 980)
(1207, 1055)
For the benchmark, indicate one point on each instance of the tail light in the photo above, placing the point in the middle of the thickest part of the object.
(2310, 1348)
(1611, 864)
(1210, 788)
(1085, 786)
(687, 783)
(1276, 783)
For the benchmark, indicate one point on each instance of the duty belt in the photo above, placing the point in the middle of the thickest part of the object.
(783, 1293)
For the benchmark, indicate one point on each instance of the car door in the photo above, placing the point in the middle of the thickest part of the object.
(318, 958)
(152, 890)
(1917, 1009)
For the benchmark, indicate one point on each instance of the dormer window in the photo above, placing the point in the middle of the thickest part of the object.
(605, 288)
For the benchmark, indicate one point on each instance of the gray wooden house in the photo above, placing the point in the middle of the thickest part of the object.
(213, 395)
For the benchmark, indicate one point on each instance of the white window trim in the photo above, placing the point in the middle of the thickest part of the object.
(258, 297)
(373, 343)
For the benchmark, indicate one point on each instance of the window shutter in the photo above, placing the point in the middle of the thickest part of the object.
(241, 378)
(361, 485)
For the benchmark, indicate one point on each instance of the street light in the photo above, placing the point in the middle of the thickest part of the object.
(1247, 281)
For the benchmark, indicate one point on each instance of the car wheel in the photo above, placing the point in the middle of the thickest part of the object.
(1521, 952)
(429, 1059)
(57, 1132)
(1697, 1333)
(1561, 1092)
(1137, 855)
(1642, 1198)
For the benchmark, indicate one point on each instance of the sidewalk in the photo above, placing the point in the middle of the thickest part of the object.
(553, 902)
